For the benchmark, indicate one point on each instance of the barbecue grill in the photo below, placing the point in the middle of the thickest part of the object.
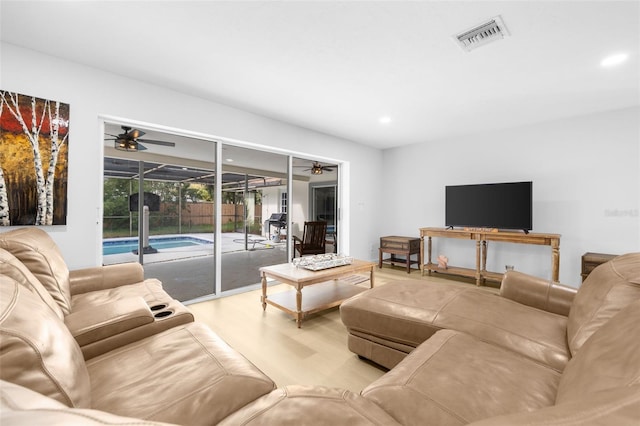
(279, 220)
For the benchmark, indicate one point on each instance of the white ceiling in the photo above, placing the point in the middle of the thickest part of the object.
(337, 66)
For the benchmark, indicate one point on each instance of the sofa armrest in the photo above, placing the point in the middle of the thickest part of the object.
(102, 277)
(91, 325)
(537, 292)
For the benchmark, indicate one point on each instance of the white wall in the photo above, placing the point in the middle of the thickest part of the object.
(586, 183)
(92, 93)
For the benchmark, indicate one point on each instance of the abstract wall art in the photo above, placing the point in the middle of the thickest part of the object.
(34, 141)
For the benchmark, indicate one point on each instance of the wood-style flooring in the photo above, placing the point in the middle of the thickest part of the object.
(315, 354)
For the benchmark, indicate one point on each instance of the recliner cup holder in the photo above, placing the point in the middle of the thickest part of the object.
(163, 314)
(158, 307)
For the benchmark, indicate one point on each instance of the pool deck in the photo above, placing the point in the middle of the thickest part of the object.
(231, 242)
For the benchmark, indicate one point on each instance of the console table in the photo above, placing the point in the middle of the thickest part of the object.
(480, 237)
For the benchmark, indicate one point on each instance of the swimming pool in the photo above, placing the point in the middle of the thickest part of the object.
(126, 246)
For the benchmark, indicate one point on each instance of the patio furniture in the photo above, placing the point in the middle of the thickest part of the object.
(313, 239)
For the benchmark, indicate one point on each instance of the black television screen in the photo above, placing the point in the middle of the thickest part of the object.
(493, 205)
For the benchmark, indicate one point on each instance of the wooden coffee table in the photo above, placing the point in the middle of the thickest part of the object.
(325, 291)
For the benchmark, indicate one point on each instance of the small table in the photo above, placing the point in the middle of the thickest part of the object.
(326, 291)
(404, 246)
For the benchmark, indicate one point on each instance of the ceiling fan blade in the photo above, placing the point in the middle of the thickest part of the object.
(141, 147)
(163, 143)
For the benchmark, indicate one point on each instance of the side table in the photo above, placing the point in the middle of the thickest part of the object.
(403, 246)
(591, 260)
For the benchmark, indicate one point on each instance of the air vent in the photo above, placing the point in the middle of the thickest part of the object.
(489, 31)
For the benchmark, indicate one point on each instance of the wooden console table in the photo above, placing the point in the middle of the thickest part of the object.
(481, 237)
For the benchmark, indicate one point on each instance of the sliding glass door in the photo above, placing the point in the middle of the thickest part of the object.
(170, 227)
(204, 216)
(253, 183)
(323, 206)
(314, 198)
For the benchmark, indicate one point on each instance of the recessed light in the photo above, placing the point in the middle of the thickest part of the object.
(229, 160)
(384, 120)
(613, 60)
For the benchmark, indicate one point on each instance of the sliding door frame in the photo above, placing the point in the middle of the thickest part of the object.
(342, 189)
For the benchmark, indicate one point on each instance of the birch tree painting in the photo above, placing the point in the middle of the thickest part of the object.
(33, 160)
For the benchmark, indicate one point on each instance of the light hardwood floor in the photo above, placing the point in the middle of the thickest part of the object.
(315, 354)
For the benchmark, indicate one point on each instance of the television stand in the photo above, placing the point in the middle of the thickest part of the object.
(481, 237)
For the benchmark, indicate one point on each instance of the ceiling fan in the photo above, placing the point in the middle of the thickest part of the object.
(130, 140)
(317, 168)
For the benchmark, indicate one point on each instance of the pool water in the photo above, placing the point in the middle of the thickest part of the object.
(127, 246)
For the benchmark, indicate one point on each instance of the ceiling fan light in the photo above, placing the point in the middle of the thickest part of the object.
(124, 145)
(316, 170)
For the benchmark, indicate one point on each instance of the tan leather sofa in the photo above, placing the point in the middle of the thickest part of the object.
(187, 375)
(542, 320)
(455, 379)
(184, 375)
(104, 307)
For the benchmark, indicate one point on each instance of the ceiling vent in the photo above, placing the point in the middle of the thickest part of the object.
(493, 29)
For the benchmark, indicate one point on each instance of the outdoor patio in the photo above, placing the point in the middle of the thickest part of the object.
(187, 272)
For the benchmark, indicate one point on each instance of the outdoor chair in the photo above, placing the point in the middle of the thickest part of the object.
(313, 239)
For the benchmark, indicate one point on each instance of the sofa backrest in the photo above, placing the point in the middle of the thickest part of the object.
(610, 358)
(40, 254)
(609, 288)
(37, 351)
(12, 267)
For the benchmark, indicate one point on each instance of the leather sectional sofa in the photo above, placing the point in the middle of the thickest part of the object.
(185, 374)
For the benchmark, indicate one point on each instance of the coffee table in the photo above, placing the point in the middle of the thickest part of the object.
(325, 289)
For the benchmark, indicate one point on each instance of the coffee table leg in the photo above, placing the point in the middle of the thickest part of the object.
(263, 299)
(299, 307)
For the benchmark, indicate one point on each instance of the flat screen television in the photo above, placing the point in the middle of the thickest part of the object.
(492, 205)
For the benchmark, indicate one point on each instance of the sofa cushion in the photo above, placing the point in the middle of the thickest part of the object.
(535, 333)
(402, 312)
(40, 254)
(318, 405)
(408, 312)
(613, 407)
(15, 269)
(22, 406)
(608, 288)
(37, 351)
(610, 358)
(454, 378)
(185, 375)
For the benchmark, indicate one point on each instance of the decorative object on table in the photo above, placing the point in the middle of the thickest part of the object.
(442, 261)
(33, 171)
(322, 261)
